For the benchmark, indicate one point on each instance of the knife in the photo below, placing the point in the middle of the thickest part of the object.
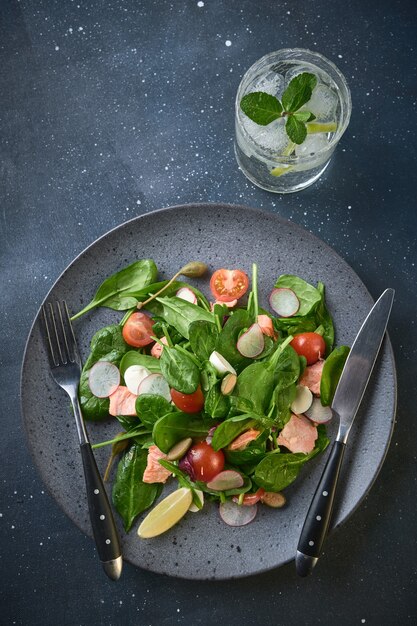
(346, 401)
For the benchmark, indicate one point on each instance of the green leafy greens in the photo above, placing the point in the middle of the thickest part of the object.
(264, 108)
(255, 408)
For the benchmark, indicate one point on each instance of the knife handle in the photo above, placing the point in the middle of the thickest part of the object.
(101, 516)
(319, 514)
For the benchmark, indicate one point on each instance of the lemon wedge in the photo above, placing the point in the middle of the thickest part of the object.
(166, 513)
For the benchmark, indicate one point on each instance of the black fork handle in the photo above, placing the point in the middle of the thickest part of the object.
(101, 514)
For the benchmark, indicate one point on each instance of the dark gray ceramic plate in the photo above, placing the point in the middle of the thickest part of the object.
(201, 545)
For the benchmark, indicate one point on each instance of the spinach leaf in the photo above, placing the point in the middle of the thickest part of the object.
(324, 319)
(332, 370)
(220, 312)
(106, 345)
(179, 370)
(227, 340)
(168, 291)
(128, 421)
(308, 295)
(111, 292)
(130, 494)
(256, 384)
(239, 406)
(173, 427)
(276, 471)
(203, 337)
(281, 402)
(179, 313)
(150, 408)
(287, 373)
(295, 325)
(133, 357)
(216, 404)
(209, 376)
(257, 381)
(287, 368)
(228, 430)
(253, 453)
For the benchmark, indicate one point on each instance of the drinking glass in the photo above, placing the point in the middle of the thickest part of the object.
(265, 154)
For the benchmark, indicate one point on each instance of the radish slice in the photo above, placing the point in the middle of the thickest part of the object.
(228, 479)
(193, 508)
(284, 302)
(318, 413)
(156, 385)
(302, 401)
(186, 294)
(252, 342)
(103, 379)
(235, 515)
(134, 376)
(220, 364)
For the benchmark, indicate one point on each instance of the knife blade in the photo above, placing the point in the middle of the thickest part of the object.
(347, 399)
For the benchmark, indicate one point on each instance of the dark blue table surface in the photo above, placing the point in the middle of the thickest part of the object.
(111, 109)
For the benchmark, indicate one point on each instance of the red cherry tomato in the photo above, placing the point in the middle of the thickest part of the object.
(138, 330)
(188, 402)
(309, 345)
(228, 285)
(206, 462)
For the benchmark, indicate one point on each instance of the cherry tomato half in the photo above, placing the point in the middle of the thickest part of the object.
(206, 462)
(249, 499)
(228, 285)
(138, 330)
(309, 345)
(188, 402)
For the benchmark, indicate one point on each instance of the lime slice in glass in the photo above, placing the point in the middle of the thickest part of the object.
(317, 127)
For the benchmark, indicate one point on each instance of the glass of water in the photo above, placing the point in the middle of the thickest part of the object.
(265, 154)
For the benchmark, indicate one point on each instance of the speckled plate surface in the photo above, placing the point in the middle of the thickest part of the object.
(201, 546)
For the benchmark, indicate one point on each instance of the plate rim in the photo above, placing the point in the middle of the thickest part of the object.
(188, 206)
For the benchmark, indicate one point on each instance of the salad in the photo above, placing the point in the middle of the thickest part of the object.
(225, 398)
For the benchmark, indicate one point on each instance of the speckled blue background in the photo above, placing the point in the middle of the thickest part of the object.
(112, 109)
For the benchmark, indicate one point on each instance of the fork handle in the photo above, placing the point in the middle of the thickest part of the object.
(101, 515)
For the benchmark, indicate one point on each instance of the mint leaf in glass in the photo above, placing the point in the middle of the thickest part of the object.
(296, 130)
(304, 116)
(261, 107)
(298, 92)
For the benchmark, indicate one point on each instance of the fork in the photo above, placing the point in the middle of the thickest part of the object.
(65, 364)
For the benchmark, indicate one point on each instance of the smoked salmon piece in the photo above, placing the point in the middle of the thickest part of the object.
(154, 472)
(311, 377)
(157, 349)
(122, 402)
(244, 439)
(298, 435)
(267, 326)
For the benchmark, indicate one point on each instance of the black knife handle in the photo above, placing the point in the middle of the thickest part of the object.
(101, 515)
(319, 514)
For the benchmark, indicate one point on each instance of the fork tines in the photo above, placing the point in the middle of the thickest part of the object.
(60, 335)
